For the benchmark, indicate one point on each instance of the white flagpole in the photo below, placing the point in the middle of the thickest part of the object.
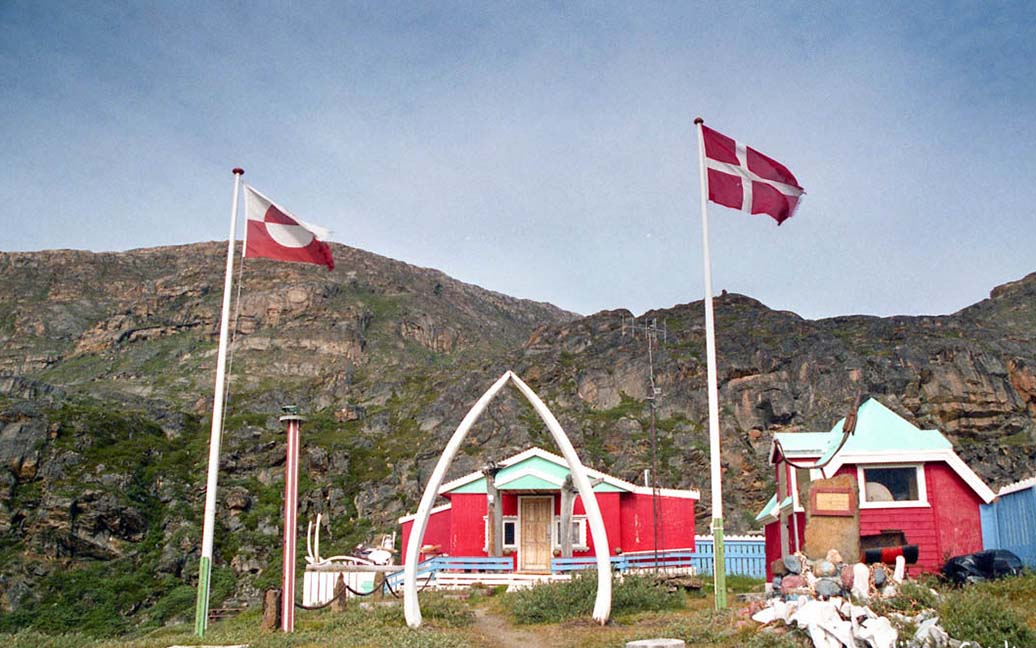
(719, 571)
(201, 611)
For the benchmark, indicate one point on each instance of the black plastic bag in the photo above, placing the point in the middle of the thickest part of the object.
(982, 566)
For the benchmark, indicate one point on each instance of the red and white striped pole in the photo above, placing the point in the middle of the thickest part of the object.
(291, 508)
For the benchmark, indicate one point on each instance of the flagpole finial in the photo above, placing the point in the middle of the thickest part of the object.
(699, 120)
(238, 171)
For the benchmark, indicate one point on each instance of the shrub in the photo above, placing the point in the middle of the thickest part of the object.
(912, 598)
(975, 614)
(446, 612)
(553, 602)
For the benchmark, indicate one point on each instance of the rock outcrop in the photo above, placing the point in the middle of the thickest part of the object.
(106, 366)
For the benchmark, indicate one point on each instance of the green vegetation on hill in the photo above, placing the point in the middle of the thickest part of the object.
(107, 361)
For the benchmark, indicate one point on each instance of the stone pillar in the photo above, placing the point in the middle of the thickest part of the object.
(271, 610)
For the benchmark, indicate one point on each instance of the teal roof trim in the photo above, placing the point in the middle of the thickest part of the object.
(770, 508)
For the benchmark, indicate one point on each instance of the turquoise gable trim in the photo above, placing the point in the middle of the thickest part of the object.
(528, 482)
(534, 473)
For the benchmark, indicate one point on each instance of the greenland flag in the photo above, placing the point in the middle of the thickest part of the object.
(743, 178)
(273, 233)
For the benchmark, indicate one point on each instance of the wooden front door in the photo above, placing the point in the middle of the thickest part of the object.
(535, 516)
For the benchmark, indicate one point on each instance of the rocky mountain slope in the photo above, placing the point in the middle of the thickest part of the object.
(107, 361)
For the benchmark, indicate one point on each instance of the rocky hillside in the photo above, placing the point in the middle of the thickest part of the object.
(107, 361)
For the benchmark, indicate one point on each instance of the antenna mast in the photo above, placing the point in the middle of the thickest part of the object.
(651, 331)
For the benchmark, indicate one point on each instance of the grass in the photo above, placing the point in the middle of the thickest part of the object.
(572, 599)
(993, 614)
(356, 627)
(989, 613)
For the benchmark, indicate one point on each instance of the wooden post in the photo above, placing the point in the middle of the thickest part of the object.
(341, 594)
(568, 500)
(494, 512)
(782, 490)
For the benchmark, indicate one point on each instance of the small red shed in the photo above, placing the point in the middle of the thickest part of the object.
(529, 486)
(911, 485)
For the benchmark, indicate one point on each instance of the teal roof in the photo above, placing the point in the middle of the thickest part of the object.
(879, 429)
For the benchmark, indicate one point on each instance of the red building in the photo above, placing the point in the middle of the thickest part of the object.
(530, 489)
(912, 487)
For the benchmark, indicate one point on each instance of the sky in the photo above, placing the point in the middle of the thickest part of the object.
(542, 150)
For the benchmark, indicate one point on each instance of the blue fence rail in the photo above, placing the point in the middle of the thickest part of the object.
(626, 562)
(430, 567)
(743, 555)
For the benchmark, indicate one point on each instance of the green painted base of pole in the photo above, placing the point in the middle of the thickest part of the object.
(201, 610)
(719, 564)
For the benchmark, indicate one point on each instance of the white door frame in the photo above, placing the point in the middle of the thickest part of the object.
(603, 603)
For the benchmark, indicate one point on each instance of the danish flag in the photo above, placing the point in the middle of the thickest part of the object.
(273, 233)
(743, 178)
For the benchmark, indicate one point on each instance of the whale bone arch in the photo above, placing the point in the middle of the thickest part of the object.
(603, 603)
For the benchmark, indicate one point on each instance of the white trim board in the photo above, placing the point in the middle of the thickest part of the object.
(914, 457)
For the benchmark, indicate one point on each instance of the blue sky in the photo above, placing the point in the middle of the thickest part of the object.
(543, 150)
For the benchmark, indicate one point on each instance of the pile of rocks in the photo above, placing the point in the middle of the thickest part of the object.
(822, 597)
(797, 575)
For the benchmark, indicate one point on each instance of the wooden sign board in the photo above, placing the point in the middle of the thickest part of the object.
(829, 500)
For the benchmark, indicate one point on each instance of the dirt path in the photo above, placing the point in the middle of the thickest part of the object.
(494, 630)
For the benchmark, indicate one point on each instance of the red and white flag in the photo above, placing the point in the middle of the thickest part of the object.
(273, 233)
(743, 178)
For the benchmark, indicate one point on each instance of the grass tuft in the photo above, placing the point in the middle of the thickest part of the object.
(555, 602)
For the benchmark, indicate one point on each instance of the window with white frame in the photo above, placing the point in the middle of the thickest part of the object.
(892, 485)
(578, 533)
(510, 532)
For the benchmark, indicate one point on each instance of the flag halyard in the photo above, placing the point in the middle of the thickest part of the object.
(742, 178)
(274, 233)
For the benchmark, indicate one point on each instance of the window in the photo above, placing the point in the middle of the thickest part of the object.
(578, 533)
(510, 533)
(892, 485)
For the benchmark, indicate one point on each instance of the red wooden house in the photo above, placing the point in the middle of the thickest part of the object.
(529, 486)
(912, 487)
